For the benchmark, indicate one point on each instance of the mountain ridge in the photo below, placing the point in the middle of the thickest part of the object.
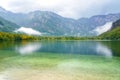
(7, 26)
(54, 24)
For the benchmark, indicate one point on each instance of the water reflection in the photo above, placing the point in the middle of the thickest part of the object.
(99, 48)
(67, 47)
(77, 47)
(103, 50)
(28, 48)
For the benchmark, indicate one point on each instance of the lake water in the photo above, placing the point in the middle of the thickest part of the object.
(99, 48)
(60, 60)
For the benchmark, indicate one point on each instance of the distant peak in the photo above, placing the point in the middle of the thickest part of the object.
(2, 9)
(43, 12)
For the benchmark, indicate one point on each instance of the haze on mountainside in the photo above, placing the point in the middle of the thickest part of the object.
(50, 17)
(49, 23)
(66, 8)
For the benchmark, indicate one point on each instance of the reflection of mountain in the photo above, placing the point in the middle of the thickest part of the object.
(29, 48)
(66, 47)
(103, 50)
(114, 46)
(84, 48)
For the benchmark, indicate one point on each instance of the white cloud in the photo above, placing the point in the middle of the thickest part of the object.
(101, 29)
(28, 31)
(66, 8)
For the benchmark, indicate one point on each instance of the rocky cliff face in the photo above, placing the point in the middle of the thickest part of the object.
(116, 24)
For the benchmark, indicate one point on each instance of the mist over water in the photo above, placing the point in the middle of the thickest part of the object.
(104, 50)
(28, 48)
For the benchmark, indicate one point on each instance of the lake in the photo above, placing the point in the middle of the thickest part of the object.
(60, 60)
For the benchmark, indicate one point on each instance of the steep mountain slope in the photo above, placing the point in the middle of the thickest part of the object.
(7, 26)
(116, 24)
(114, 33)
(53, 24)
(101, 29)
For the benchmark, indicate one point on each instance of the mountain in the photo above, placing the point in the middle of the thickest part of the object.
(2, 9)
(43, 21)
(7, 26)
(116, 24)
(114, 33)
(94, 22)
(53, 24)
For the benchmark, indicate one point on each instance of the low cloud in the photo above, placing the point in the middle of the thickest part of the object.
(28, 31)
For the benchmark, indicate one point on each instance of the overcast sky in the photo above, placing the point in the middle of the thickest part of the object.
(67, 8)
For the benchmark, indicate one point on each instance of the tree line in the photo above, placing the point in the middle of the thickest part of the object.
(19, 37)
(16, 37)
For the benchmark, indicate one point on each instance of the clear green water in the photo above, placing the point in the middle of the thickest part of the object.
(60, 60)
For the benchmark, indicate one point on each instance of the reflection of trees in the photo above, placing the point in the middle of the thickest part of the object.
(6, 44)
(71, 47)
(11, 44)
(79, 47)
(6, 49)
(114, 46)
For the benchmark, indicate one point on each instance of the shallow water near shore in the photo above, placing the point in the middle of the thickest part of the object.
(60, 60)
